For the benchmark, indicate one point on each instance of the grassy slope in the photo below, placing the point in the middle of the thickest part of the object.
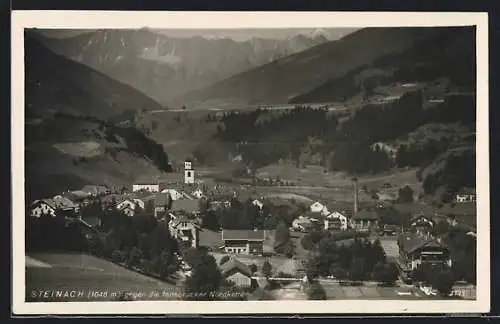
(56, 159)
(54, 145)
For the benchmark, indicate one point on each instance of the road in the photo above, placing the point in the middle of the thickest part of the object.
(81, 277)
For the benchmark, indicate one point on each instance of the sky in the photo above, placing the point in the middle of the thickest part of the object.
(235, 34)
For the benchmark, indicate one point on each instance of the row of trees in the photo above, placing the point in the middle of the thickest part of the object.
(361, 260)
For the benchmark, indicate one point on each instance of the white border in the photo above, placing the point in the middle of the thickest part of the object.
(223, 20)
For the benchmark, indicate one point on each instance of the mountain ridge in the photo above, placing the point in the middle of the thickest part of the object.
(279, 81)
(164, 67)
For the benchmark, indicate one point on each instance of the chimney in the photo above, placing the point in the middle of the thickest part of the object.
(355, 196)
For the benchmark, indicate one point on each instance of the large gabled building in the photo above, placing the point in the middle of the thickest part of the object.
(415, 250)
(243, 241)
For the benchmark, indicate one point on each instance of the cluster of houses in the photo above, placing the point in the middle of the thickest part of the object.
(320, 216)
(182, 208)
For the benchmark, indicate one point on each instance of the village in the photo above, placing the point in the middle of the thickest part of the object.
(267, 248)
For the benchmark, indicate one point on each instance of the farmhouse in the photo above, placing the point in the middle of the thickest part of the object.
(174, 194)
(365, 220)
(58, 204)
(335, 221)
(130, 206)
(318, 207)
(43, 206)
(301, 224)
(146, 187)
(421, 224)
(185, 230)
(466, 195)
(243, 241)
(238, 273)
(415, 250)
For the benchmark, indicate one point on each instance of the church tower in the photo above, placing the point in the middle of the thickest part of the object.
(188, 173)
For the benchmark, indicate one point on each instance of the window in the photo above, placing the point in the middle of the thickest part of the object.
(189, 174)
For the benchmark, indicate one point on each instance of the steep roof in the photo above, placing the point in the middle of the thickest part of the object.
(410, 243)
(63, 203)
(235, 264)
(176, 221)
(255, 235)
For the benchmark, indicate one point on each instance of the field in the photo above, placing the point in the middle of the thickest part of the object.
(81, 277)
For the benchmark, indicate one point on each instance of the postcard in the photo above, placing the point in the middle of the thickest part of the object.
(250, 163)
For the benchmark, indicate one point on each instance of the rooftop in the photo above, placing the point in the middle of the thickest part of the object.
(410, 242)
(255, 235)
(235, 264)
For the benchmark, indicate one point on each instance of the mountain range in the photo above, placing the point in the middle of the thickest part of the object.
(164, 67)
(286, 79)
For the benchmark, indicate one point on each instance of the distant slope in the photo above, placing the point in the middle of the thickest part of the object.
(66, 145)
(449, 55)
(164, 67)
(55, 83)
(286, 78)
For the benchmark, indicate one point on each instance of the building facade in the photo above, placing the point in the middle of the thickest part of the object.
(243, 241)
(415, 250)
(335, 221)
(364, 220)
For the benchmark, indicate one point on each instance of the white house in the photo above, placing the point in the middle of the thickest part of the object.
(301, 223)
(336, 221)
(198, 194)
(44, 206)
(146, 187)
(237, 273)
(466, 195)
(174, 194)
(130, 206)
(318, 207)
(185, 230)
(258, 203)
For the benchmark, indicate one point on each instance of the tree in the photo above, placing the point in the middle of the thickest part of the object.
(424, 273)
(149, 209)
(443, 282)
(134, 257)
(267, 269)
(385, 273)
(205, 281)
(405, 195)
(281, 237)
(316, 292)
(357, 269)
(253, 268)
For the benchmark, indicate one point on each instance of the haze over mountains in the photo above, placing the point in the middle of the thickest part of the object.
(283, 80)
(164, 67)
